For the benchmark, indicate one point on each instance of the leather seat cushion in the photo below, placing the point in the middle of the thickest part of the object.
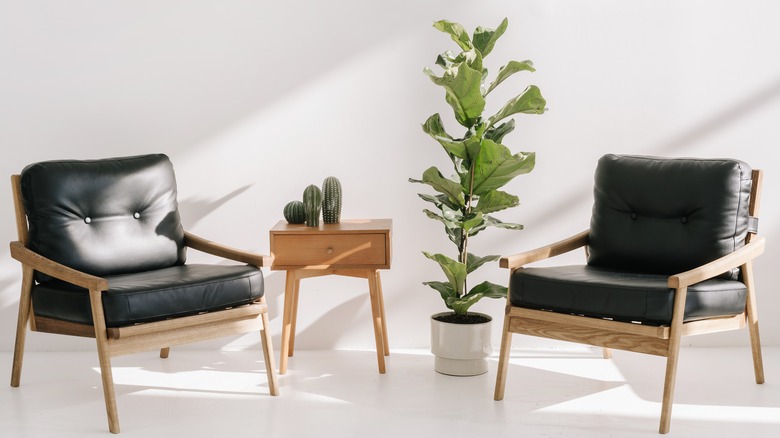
(153, 295)
(634, 297)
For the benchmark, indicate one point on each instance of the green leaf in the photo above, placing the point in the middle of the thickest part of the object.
(445, 289)
(456, 31)
(488, 290)
(485, 289)
(474, 60)
(462, 86)
(529, 102)
(496, 200)
(493, 222)
(455, 234)
(446, 59)
(455, 271)
(453, 229)
(434, 178)
(490, 221)
(438, 200)
(452, 215)
(434, 127)
(474, 220)
(497, 133)
(461, 305)
(495, 166)
(510, 69)
(485, 39)
(437, 217)
(473, 262)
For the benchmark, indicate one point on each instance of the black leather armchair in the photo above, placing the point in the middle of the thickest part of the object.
(103, 255)
(669, 253)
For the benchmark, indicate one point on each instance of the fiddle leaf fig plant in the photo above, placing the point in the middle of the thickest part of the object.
(464, 203)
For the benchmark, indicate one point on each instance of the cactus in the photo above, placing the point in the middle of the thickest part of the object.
(312, 203)
(331, 200)
(293, 212)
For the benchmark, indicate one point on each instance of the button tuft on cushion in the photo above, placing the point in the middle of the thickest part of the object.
(87, 220)
(633, 216)
(136, 215)
(684, 220)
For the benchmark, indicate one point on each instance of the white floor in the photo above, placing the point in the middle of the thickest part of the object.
(550, 393)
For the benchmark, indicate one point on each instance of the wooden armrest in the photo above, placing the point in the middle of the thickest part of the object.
(719, 266)
(218, 250)
(545, 252)
(59, 271)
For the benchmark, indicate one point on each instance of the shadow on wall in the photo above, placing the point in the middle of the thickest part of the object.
(199, 82)
(11, 295)
(676, 145)
(194, 209)
(750, 104)
(330, 324)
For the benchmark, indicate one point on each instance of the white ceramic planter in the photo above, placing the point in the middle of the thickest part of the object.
(460, 349)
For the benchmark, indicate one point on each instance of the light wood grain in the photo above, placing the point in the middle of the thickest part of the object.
(56, 270)
(545, 252)
(21, 325)
(353, 248)
(322, 251)
(209, 247)
(21, 217)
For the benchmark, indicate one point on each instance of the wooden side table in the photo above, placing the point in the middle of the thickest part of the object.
(353, 248)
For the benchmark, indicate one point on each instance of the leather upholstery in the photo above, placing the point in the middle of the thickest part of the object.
(153, 295)
(105, 217)
(623, 296)
(118, 218)
(666, 216)
(652, 217)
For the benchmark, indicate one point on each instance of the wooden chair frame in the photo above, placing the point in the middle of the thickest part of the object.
(660, 341)
(134, 338)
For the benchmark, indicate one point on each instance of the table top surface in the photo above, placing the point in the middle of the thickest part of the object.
(345, 226)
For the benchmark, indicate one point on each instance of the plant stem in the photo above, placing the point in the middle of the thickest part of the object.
(464, 254)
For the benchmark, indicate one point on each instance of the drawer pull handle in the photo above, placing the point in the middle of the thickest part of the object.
(329, 250)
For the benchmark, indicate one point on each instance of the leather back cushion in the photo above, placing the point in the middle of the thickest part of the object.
(105, 217)
(665, 216)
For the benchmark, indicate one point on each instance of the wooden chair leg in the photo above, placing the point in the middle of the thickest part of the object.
(755, 344)
(106, 375)
(503, 360)
(268, 356)
(21, 326)
(752, 320)
(669, 381)
(607, 353)
(672, 356)
(109, 395)
(164, 352)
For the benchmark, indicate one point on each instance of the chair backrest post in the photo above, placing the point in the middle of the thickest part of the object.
(21, 216)
(755, 200)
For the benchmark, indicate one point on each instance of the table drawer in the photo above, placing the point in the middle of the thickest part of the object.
(330, 250)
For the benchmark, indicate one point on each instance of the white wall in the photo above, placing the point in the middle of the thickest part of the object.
(254, 100)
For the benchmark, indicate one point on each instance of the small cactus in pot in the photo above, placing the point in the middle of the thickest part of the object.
(312, 203)
(331, 200)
